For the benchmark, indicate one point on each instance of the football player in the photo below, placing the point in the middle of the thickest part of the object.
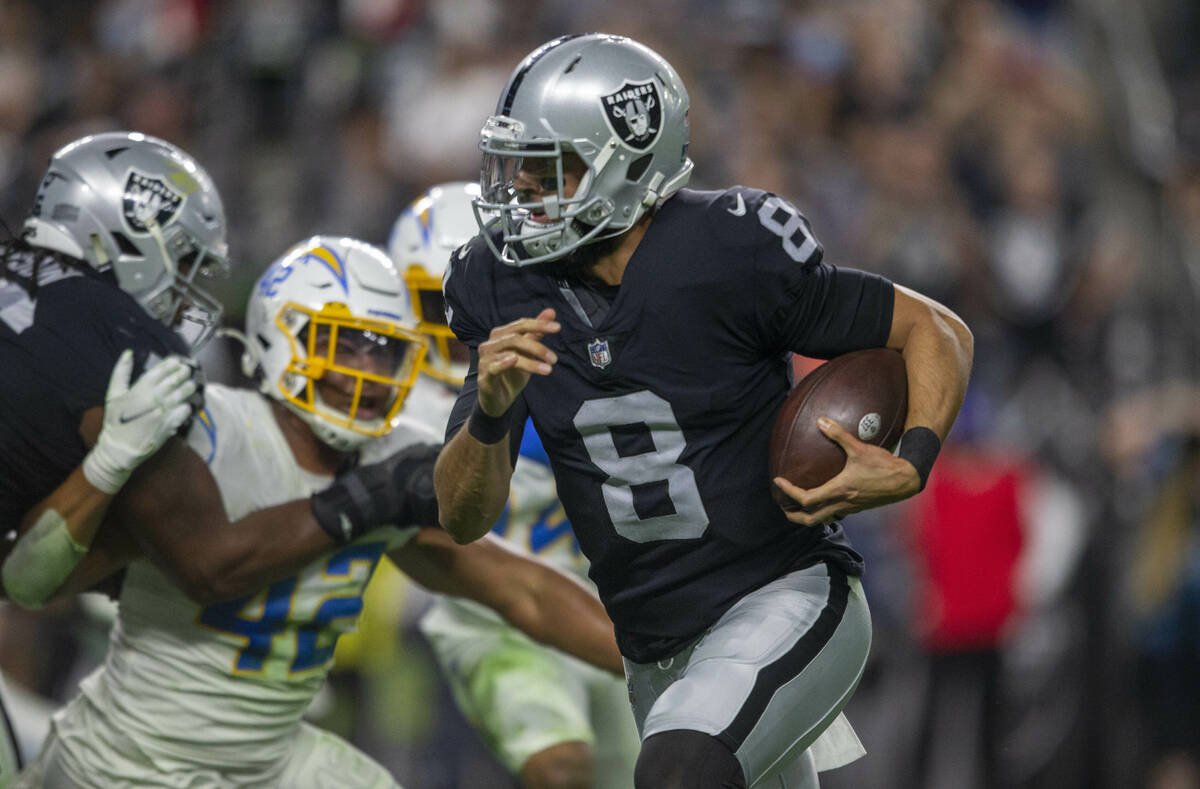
(646, 328)
(122, 228)
(216, 692)
(554, 721)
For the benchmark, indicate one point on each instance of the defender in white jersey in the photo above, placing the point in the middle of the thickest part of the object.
(212, 695)
(554, 721)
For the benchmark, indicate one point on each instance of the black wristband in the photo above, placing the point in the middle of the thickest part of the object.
(488, 429)
(920, 446)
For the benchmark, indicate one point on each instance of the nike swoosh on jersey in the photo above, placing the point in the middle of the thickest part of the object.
(126, 419)
(740, 208)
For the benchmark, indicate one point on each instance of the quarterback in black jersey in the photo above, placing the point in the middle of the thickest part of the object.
(646, 329)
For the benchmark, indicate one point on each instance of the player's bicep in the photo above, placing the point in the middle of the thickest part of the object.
(168, 504)
(910, 308)
(834, 311)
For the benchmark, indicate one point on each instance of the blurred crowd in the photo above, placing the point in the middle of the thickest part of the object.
(1033, 164)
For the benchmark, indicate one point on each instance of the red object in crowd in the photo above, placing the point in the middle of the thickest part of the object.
(969, 533)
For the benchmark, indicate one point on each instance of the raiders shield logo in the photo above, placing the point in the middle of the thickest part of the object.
(148, 197)
(634, 113)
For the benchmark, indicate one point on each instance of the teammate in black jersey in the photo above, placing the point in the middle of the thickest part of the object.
(121, 228)
(646, 329)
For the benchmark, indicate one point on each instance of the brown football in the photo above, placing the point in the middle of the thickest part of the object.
(865, 392)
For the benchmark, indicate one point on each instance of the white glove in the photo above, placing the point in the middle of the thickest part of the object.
(138, 419)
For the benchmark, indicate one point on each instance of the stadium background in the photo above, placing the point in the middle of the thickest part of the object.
(1034, 164)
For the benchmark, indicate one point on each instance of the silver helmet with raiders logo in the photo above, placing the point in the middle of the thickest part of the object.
(600, 110)
(147, 211)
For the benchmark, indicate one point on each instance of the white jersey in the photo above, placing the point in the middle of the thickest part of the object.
(226, 684)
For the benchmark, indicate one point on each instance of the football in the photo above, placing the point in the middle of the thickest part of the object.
(865, 392)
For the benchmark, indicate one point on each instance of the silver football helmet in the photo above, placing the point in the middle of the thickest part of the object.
(609, 100)
(145, 209)
(422, 240)
(330, 333)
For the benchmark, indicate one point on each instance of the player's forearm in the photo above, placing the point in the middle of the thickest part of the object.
(174, 510)
(938, 350)
(230, 560)
(471, 479)
(559, 611)
(79, 503)
(55, 536)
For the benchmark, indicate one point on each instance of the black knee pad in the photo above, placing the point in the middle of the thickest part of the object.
(684, 759)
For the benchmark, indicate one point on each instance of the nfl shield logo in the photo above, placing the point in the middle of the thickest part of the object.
(148, 197)
(634, 113)
(598, 353)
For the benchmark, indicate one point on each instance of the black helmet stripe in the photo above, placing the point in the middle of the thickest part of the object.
(534, 57)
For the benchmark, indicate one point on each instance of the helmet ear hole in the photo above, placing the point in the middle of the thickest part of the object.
(637, 168)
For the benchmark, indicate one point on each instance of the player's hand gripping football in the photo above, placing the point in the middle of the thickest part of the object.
(872, 477)
(511, 354)
(139, 417)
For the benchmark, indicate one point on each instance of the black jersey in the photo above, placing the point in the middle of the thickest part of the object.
(58, 344)
(657, 420)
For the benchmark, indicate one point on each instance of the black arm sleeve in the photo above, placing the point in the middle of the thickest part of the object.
(466, 403)
(835, 311)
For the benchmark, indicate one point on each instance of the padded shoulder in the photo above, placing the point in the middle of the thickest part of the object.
(466, 286)
(731, 215)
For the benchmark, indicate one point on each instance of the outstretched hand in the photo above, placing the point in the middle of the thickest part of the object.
(511, 354)
(871, 477)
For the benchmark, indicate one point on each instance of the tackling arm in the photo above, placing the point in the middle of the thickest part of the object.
(547, 605)
(173, 508)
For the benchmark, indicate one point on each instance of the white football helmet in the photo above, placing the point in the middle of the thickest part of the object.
(611, 101)
(334, 307)
(145, 209)
(422, 240)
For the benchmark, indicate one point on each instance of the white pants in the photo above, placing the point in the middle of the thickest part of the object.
(320, 760)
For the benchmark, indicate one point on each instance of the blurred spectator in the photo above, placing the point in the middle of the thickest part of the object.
(996, 539)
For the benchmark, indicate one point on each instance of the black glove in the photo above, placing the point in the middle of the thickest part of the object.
(397, 491)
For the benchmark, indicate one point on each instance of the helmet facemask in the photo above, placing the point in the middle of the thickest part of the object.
(447, 358)
(546, 223)
(348, 376)
(424, 237)
(191, 311)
